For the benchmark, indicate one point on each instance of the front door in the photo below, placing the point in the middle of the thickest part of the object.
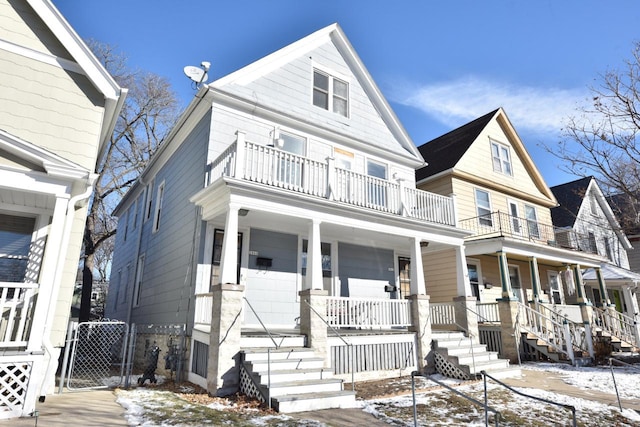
(404, 279)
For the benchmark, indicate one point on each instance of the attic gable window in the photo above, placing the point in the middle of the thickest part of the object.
(330, 93)
(501, 158)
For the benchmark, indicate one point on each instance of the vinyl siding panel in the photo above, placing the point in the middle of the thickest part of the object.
(440, 275)
(288, 89)
(364, 271)
(170, 251)
(50, 107)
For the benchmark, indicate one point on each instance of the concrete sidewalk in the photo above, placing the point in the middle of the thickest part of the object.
(96, 408)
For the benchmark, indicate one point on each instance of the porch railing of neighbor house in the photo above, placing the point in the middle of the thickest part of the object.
(617, 324)
(203, 306)
(271, 166)
(500, 224)
(442, 314)
(561, 312)
(345, 312)
(563, 337)
(488, 312)
(16, 306)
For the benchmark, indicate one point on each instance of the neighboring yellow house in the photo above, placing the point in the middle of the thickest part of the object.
(515, 254)
(58, 108)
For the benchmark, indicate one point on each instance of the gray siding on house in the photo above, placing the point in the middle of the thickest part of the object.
(170, 251)
(289, 89)
(364, 270)
(272, 291)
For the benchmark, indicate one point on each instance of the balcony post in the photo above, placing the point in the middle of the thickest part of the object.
(229, 256)
(402, 197)
(240, 155)
(535, 278)
(331, 178)
(416, 269)
(454, 209)
(603, 287)
(505, 280)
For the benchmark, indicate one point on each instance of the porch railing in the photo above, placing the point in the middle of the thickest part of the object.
(442, 314)
(16, 309)
(500, 224)
(345, 312)
(277, 168)
(617, 324)
(563, 336)
(488, 312)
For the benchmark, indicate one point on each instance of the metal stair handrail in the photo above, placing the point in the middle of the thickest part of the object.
(348, 344)
(547, 329)
(617, 324)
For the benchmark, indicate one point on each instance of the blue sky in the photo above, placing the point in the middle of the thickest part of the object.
(439, 63)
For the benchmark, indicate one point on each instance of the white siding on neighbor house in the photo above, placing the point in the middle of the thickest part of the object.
(288, 89)
(165, 286)
(21, 26)
(59, 113)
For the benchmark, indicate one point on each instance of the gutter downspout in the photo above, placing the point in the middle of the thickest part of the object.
(66, 235)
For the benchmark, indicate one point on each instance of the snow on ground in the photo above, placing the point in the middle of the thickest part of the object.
(435, 407)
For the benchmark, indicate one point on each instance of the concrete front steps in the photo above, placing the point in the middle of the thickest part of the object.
(294, 379)
(459, 358)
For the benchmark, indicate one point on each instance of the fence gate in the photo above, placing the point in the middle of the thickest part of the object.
(95, 355)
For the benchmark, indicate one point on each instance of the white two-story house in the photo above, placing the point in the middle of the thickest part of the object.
(284, 199)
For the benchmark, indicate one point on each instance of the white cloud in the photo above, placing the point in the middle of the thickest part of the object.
(538, 109)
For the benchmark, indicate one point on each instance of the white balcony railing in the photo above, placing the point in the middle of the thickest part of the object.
(345, 312)
(16, 310)
(274, 167)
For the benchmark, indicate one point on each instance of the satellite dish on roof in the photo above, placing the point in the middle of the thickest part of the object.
(198, 75)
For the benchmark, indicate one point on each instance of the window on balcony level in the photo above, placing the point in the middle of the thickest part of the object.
(501, 158)
(330, 93)
(483, 204)
(376, 190)
(532, 221)
(290, 168)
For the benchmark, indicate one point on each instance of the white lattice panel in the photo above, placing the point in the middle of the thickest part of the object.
(448, 369)
(247, 386)
(14, 381)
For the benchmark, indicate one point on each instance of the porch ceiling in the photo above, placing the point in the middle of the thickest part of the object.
(523, 250)
(23, 199)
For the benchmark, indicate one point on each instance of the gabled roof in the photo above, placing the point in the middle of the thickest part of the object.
(335, 34)
(445, 151)
(101, 79)
(570, 197)
(612, 273)
(51, 163)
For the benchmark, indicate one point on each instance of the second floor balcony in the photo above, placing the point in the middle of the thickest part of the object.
(276, 168)
(500, 224)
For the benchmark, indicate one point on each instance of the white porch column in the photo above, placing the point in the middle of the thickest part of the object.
(535, 278)
(229, 257)
(51, 256)
(462, 274)
(416, 269)
(314, 257)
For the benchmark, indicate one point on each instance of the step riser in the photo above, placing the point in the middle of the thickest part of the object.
(454, 351)
(487, 357)
(289, 377)
(277, 390)
(262, 366)
(275, 355)
(303, 405)
(264, 342)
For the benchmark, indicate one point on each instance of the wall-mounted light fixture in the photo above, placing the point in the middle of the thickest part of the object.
(424, 244)
(275, 138)
(243, 212)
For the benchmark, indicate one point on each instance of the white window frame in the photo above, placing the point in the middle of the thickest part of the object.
(478, 265)
(514, 214)
(558, 276)
(533, 226)
(330, 92)
(158, 209)
(138, 284)
(500, 163)
(522, 294)
(487, 217)
(135, 215)
(149, 204)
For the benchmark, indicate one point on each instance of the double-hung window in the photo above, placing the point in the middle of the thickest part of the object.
(376, 189)
(483, 204)
(501, 158)
(290, 165)
(15, 243)
(330, 93)
(532, 221)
